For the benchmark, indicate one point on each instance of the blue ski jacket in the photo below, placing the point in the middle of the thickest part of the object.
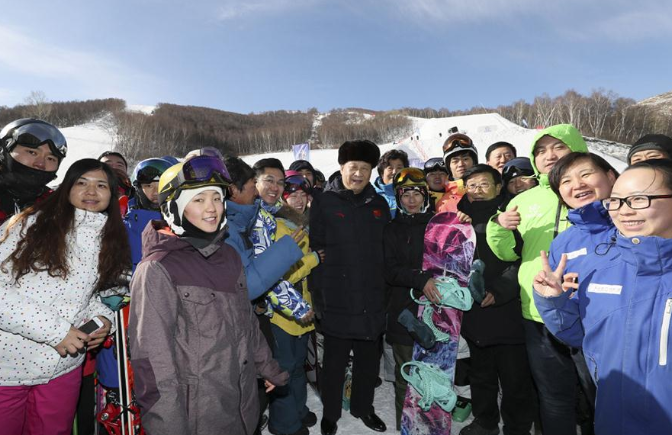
(136, 220)
(263, 271)
(623, 314)
(387, 192)
(591, 232)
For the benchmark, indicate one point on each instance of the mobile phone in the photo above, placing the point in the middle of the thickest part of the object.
(91, 326)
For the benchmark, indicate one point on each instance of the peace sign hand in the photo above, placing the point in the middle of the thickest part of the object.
(548, 283)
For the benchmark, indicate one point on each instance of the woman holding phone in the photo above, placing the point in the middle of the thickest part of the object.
(55, 258)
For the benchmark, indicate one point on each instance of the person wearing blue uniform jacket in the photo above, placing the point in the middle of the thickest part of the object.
(582, 181)
(263, 271)
(389, 164)
(621, 316)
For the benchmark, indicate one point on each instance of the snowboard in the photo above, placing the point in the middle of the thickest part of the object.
(448, 251)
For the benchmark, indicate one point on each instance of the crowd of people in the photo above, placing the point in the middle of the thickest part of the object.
(232, 270)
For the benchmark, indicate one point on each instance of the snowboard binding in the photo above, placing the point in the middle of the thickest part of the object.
(433, 384)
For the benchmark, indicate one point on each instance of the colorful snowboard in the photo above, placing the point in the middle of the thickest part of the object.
(449, 251)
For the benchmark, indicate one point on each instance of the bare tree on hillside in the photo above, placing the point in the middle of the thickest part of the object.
(37, 105)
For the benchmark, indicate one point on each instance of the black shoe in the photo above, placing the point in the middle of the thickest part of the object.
(328, 427)
(373, 422)
(309, 420)
(263, 422)
(476, 429)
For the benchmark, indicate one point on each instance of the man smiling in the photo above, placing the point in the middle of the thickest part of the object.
(348, 289)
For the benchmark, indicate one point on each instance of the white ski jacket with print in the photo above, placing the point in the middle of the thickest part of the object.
(36, 312)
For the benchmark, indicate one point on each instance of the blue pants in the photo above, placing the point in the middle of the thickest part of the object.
(288, 404)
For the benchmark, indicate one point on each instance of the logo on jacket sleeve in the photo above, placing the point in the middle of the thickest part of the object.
(377, 213)
(340, 214)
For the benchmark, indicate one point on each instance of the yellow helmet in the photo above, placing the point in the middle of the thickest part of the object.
(197, 172)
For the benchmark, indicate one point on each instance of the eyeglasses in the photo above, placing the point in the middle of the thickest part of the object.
(635, 202)
(483, 186)
(435, 164)
(34, 134)
(270, 181)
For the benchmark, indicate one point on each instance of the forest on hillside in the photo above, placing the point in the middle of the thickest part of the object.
(174, 130)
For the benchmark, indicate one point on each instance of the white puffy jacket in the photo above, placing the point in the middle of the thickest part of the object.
(36, 313)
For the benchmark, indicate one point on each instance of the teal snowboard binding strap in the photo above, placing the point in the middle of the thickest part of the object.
(452, 294)
(433, 384)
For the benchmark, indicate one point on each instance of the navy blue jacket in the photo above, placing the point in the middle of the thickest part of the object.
(348, 288)
(263, 271)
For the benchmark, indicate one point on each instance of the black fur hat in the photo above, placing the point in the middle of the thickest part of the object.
(360, 150)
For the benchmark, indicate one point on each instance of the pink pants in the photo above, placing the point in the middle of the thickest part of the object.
(47, 409)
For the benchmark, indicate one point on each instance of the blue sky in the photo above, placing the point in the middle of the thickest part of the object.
(259, 55)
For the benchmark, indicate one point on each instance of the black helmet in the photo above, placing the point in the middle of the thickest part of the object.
(33, 133)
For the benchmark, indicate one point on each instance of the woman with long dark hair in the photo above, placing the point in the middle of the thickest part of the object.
(55, 258)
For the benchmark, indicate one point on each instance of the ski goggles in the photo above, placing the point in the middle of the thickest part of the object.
(150, 170)
(435, 164)
(203, 169)
(296, 183)
(35, 134)
(460, 141)
(409, 175)
(197, 172)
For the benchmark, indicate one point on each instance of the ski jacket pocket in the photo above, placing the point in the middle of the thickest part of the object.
(664, 333)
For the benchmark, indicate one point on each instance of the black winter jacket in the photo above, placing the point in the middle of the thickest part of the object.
(404, 242)
(501, 323)
(348, 288)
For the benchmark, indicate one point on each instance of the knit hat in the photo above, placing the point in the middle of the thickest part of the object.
(518, 167)
(359, 150)
(298, 165)
(181, 203)
(658, 142)
(457, 143)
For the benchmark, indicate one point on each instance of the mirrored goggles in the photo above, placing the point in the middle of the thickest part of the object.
(35, 134)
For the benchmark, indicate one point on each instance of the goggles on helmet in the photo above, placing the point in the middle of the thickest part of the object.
(461, 141)
(149, 171)
(35, 134)
(197, 172)
(295, 183)
(435, 164)
(411, 176)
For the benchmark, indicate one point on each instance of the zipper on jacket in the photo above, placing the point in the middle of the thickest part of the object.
(664, 333)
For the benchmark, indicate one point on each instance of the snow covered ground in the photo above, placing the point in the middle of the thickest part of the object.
(90, 140)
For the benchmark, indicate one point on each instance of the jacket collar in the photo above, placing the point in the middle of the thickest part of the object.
(591, 217)
(649, 254)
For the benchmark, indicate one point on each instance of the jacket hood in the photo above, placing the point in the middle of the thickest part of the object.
(591, 217)
(567, 133)
(291, 214)
(241, 215)
(382, 188)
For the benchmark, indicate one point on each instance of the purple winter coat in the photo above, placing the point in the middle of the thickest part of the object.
(196, 347)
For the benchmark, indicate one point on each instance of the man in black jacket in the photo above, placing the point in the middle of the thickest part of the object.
(494, 329)
(348, 289)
